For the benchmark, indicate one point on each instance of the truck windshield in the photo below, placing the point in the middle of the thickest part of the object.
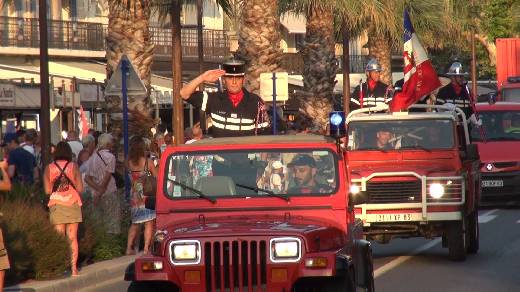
(387, 135)
(278, 173)
(498, 126)
(511, 94)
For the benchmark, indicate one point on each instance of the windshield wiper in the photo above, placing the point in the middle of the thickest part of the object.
(416, 147)
(199, 193)
(270, 193)
(502, 139)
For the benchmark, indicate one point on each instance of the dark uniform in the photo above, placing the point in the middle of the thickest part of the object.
(371, 98)
(247, 119)
(447, 94)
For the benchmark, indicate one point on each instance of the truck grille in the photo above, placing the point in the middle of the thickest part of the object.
(394, 192)
(235, 265)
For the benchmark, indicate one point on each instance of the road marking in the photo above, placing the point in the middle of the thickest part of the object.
(400, 260)
(488, 216)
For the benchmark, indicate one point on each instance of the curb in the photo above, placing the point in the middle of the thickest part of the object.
(89, 276)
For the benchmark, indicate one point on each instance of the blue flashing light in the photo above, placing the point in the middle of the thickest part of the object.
(336, 119)
(337, 124)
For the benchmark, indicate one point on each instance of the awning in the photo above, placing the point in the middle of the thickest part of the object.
(294, 24)
(83, 71)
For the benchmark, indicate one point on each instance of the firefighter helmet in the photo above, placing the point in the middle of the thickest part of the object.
(456, 70)
(373, 65)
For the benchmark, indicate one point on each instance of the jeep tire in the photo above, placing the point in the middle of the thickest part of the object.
(456, 240)
(473, 233)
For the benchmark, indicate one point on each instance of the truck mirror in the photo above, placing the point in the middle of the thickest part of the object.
(492, 98)
(149, 203)
(472, 152)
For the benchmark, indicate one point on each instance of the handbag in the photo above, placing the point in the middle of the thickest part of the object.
(149, 182)
(119, 179)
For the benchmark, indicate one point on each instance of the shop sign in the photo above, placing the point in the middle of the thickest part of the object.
(7, 95)
(90, 92)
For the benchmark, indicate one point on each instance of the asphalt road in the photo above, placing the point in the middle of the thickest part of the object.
(423, 265)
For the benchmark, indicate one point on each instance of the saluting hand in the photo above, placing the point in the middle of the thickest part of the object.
(212, 75)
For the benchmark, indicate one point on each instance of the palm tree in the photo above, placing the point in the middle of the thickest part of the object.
(259, 40)
(129, 34)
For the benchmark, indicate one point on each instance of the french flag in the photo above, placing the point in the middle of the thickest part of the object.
(420, 78)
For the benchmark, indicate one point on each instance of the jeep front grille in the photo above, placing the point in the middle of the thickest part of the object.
(394, 192)
(235, 265)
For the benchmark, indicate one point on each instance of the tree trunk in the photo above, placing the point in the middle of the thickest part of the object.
(491, 48)
(259, 40)
(128, 33)
(379, 48)
(319, 65)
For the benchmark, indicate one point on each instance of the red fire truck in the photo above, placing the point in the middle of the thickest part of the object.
(419, 174)
(266, 213)
(499, 151)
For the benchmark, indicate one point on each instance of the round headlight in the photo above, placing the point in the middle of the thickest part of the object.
(355, 189)
(436, 190)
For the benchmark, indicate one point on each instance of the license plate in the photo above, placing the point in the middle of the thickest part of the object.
(492, 183)
(399, 217)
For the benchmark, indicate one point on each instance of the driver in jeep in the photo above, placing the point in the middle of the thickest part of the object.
(383, 138)
(304, 170)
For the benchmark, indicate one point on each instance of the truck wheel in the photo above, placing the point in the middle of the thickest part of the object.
(370, 273)
(473, 233)
(142, 286)
(456, 240)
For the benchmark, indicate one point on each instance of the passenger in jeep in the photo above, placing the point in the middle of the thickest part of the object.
(304, 170)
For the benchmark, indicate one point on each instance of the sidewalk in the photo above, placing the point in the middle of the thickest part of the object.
(88, 276)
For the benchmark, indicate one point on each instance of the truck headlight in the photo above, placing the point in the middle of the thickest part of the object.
(185, 252)
(355, 189)
(285, 249)
(436, 190)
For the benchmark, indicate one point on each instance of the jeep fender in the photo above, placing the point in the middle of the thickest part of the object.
(130, 272)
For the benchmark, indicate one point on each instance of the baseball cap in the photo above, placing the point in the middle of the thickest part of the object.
(8, 137)
(302, 160)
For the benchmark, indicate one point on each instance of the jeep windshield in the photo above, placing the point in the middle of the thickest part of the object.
(498, 126)
(230, 174)
(394, 135)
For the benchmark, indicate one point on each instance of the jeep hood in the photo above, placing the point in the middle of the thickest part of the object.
(420, 162)
(319, 234)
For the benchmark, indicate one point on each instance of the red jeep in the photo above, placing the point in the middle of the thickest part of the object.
(499, 152)
(419, 174)
(267, 213)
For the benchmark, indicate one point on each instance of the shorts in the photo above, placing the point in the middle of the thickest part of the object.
(142, 215)
(4, 260)
(60, 214)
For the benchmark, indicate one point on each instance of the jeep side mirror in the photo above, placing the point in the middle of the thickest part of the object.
(149, 202)
(472, 152)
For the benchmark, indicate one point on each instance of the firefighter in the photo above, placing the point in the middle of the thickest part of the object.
(456, 92)
(373, 92)
(234, 112)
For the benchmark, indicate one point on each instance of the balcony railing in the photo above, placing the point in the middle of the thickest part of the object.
(215, 42)
(76, 35)
(68, 35)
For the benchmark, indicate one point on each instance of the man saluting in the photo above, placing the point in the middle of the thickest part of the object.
(234, 112)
